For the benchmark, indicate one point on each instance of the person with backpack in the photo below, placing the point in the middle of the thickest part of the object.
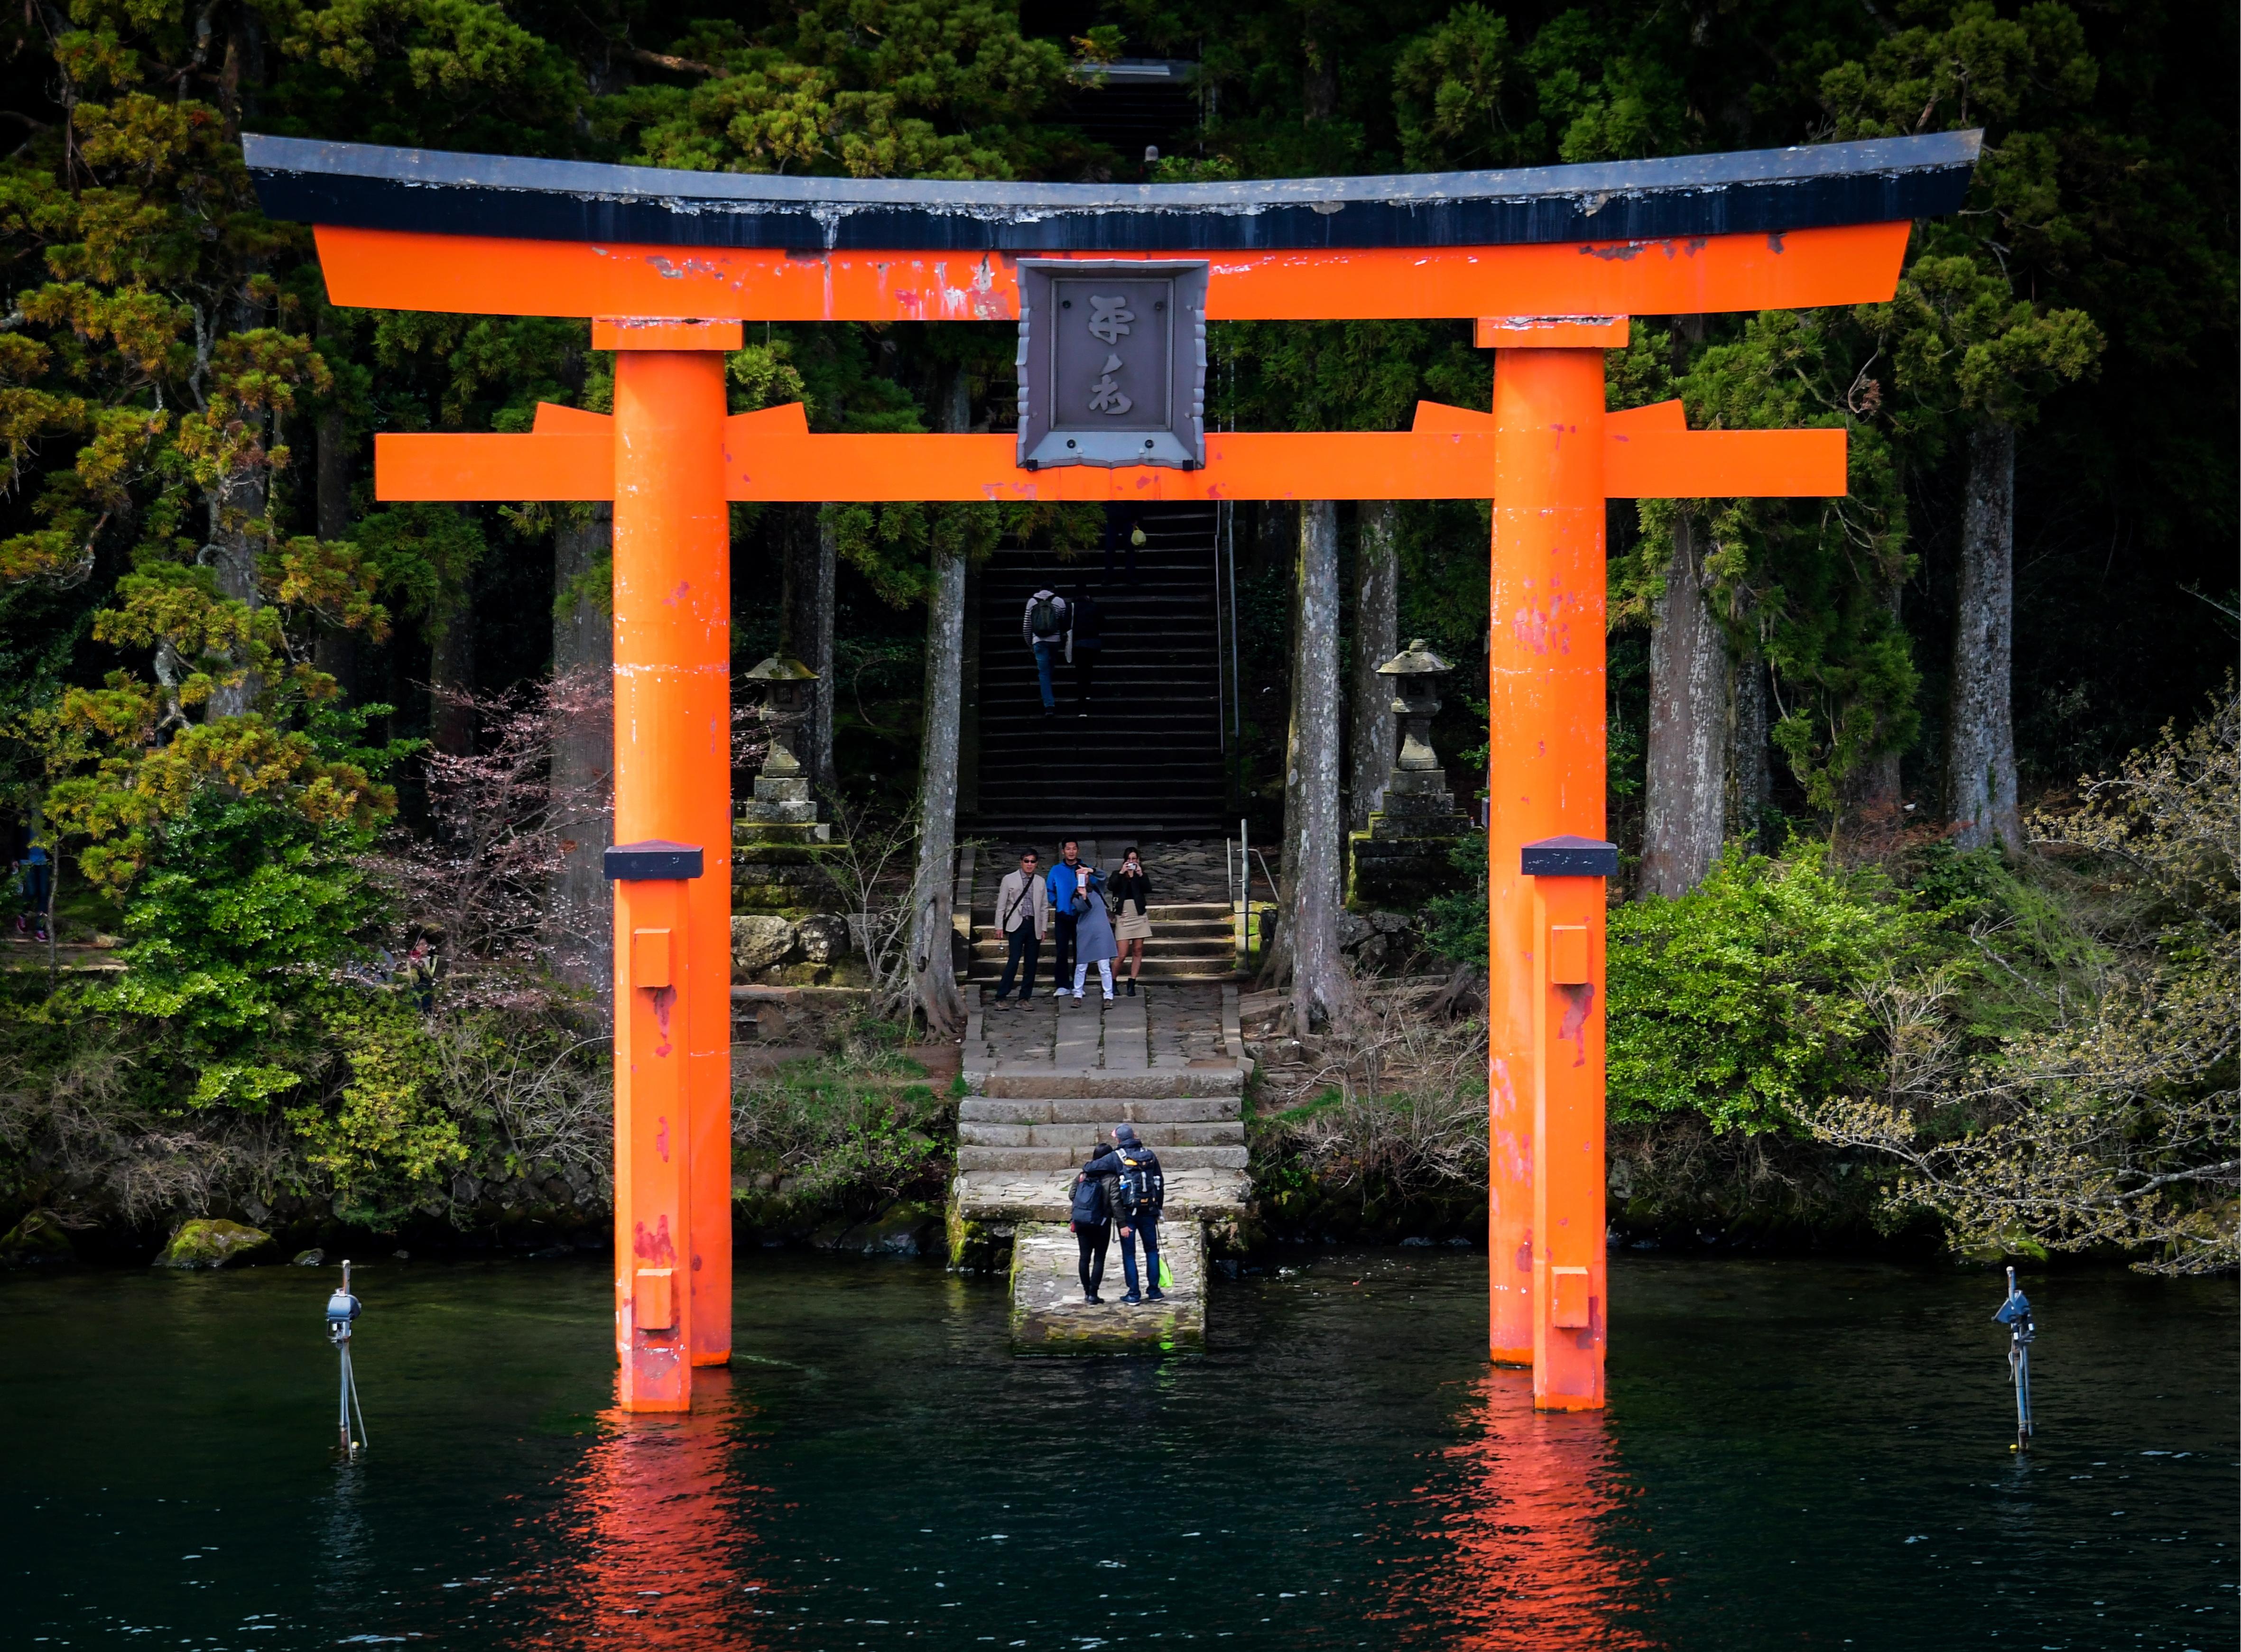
(1138, 1193)
(1091, 1218)
(1048, 628)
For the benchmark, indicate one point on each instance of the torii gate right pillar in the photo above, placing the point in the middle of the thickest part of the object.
(1546, 779)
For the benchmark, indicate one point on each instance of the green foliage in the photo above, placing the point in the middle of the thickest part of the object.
(385, 1136)
(849, 1133)
(1744, 1001)
(873, 88)
(1455, 924)
(233, 936)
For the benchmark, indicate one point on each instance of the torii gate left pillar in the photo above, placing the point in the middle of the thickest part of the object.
(672, 780)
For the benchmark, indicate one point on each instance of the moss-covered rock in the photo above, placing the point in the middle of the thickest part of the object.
(209, 1242)
(38, 1238)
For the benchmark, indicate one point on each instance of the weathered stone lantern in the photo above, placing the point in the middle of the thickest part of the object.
(1402, 858)
(788, 687)
(1416, 677)
(778, 880)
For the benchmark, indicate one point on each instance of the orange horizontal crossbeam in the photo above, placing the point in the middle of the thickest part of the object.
(770, 457)
(492, 275)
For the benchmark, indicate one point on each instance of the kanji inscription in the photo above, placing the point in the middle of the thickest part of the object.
(1112, 364)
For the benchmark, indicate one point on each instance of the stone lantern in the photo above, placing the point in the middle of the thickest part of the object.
(1416, 675)
(787, 688)
(787, 924)
(1403, 859)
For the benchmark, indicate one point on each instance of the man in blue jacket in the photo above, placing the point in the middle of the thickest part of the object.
(1065, 880)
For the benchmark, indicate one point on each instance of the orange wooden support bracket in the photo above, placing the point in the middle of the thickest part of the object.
(499, 275)
(772, 457)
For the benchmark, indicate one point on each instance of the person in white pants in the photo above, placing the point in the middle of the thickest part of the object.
(1092, 934)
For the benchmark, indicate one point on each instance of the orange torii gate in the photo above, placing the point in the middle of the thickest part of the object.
(667, 265)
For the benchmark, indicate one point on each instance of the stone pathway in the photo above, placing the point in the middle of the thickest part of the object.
(1046, 1083)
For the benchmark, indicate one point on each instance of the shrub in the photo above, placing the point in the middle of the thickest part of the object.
(1747, 999)
(849, 1133)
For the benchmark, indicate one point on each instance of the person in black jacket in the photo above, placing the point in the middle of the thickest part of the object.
(1091, 1220)
(1131, 905)
(1085, 643)
(1142, 1222)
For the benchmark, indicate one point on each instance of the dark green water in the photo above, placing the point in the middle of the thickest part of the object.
(1797, 1453)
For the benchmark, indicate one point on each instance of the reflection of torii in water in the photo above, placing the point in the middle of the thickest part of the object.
(668, 265)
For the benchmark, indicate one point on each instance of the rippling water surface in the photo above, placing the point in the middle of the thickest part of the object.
(1797, 1453)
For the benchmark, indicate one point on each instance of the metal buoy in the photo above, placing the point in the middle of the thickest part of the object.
(343, 1308)
(2016, 1315)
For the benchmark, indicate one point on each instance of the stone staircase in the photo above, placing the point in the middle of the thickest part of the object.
(1148, 760)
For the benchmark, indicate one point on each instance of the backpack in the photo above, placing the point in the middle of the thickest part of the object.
(1141, 1187)
(1042, 620)
(1088, 1202)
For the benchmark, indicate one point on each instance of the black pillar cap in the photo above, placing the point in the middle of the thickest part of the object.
(1570, 857)
(654, 861)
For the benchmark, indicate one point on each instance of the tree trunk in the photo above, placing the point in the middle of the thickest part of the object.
(237, 501)
(1750, 778)
(1311, 780)
(1685, 819)
(452, 672)
(1981, 749)
(1372, 740)
(581, 925)
(336, 651)
(934, 975)
(811, 555)
(1276, 963)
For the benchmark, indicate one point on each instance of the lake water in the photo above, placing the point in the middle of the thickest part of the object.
(1797, 1453)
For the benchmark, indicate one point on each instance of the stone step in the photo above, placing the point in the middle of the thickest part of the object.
(988, 969)
(1038, 1082)
(1208, 940)
(1216, 926)
(1079, 1139)
(1184, 1109)
(1190, 1158)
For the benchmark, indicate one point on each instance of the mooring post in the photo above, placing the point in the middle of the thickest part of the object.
(672, 749)
(1545, 770)
(1570, 1291)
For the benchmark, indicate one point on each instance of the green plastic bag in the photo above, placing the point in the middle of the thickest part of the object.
(1167, 1275)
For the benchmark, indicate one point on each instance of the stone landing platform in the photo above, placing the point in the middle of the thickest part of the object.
(1045, 1083)
(1050, 1318)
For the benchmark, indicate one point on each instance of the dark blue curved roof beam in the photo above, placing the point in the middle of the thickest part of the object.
(408, 229)
(1761, 191)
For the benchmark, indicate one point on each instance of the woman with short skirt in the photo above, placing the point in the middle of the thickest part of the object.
(1132, 900)
(1092, 934)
